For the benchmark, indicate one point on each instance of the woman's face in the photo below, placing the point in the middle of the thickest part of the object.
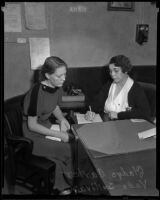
(58, 77)
(116, 73)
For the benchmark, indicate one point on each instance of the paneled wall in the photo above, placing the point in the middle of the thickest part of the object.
(84, 34)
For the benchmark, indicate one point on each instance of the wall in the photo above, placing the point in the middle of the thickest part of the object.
(17, 64)
(85, 38)
(90, 38)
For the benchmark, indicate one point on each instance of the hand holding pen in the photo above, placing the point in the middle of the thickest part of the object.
(90, 115)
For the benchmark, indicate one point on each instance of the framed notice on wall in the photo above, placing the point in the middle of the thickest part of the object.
(39, 51)
(121, 6)
(35, 16)
(12, 18)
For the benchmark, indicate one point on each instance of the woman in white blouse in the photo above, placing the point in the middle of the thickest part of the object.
(121, 98)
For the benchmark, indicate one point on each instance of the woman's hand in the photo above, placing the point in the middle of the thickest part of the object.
(113, 115)
(64, 125)
(64, 136)
(90, 115)
(154, 121)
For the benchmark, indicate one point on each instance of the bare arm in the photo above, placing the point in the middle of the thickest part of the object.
(33, 125)
(63, 122)
(58, 113)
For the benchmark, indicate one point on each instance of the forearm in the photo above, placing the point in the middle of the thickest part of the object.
(38, 128)
(135, 113)
(58, 114)
(138, 103)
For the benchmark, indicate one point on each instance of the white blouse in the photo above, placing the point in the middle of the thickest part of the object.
(120, 102)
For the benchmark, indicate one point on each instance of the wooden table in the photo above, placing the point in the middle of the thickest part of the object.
(124, 164)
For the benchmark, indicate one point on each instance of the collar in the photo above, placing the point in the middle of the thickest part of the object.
(49, 89)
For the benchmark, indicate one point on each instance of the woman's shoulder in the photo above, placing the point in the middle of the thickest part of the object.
(137, 88)
(35, 86)
(33, 90)
(136, 85)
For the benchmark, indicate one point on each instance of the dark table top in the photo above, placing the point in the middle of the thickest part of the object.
(127, 163)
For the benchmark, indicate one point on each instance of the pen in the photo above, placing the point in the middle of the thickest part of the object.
(91, 113)
(90, 109)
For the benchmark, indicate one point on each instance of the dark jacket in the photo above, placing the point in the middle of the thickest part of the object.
(137, 100)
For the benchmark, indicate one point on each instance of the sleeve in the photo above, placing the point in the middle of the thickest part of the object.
(32, 108)
(99, 100)
(139, 105)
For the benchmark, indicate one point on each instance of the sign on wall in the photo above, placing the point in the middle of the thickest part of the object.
(35, 16)
(12, 18)
(39, 51)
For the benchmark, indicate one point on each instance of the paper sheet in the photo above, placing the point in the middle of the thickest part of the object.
(35, 15)
(138, 120)
(147, 133)
(55, 127)
(39, 51)
(81, 119)
(53, 138)
(12, 18)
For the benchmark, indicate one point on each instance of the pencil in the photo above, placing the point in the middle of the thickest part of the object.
(91, 113)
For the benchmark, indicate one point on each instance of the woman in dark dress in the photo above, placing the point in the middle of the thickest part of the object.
(40, 102)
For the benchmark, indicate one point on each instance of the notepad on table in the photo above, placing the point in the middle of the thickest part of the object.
(148, 133)
(55, 127)
(138, 120)
(81, 118)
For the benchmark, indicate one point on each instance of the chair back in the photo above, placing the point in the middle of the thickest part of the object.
(150, 91)
(13, 116)
(12, 127)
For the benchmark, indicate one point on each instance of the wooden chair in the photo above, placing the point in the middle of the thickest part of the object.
(35, 173)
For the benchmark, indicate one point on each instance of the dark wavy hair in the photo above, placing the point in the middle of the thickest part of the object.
(50, 65)
(121, 61)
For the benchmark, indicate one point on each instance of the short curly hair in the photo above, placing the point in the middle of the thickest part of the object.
(121, 61)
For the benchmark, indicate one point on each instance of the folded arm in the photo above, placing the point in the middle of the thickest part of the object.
(34, 126)
(64, 124)
(139, 105)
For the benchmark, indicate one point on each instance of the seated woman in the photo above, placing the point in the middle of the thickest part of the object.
(122, 98)
(40, 102)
